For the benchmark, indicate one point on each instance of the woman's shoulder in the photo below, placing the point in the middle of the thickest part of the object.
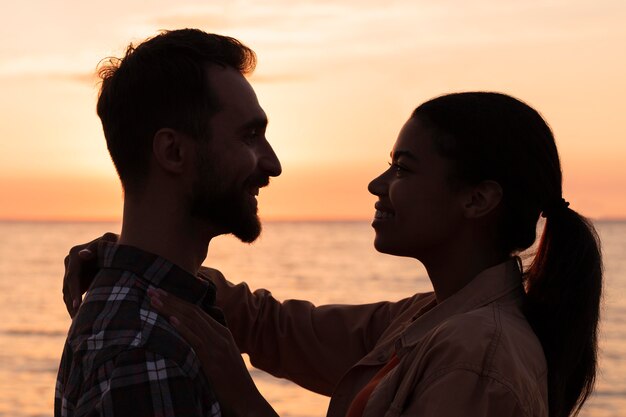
(483, 358)
(488, 334)
(494, 342)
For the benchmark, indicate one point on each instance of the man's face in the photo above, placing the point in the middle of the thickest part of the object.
(236, 161)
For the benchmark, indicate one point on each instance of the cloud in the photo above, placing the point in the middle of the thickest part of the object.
(255, 16)
(85, 78)
(296, 39)
(299, 31)
(209, 22)
(81, 78)
(278, 78)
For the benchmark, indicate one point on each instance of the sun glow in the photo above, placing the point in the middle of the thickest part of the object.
(337, 80)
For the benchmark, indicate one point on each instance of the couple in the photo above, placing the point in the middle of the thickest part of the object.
(469, 177)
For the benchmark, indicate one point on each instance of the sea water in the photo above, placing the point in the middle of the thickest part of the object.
(324, 262)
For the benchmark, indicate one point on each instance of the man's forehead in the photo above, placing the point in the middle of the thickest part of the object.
(229, 85)
(219, 75)
(236, 99)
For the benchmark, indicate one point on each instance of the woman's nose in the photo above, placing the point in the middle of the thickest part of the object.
(269, 162)
(378, 186)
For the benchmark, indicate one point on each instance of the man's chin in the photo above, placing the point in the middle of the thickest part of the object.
(231, 216)
(248, 230)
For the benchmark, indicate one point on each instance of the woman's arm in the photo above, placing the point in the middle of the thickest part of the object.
(311, 346)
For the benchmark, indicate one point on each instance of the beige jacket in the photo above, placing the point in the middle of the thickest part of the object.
(472, 355)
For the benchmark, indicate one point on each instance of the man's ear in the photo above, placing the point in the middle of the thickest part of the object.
(481, 199)
(170, 150)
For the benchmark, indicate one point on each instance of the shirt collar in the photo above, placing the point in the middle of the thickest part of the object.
(158, 272)
(488, 286)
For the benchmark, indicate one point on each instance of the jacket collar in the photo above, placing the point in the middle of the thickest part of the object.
(490, 285)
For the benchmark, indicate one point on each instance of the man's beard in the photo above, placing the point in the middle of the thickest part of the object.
(226, 205)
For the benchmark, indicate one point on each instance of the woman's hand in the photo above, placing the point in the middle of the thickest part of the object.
(81, 266)
(218, 354)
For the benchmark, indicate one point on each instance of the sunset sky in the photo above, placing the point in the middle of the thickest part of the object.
(337, 79)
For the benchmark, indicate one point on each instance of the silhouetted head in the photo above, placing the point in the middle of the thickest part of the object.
(185, 89)
(463, 156)
(489, 162)
(495, 137)
(161, 83)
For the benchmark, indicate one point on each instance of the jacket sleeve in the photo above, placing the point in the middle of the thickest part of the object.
(311, 346)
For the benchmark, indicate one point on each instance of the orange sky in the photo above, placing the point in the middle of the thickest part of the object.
(337, 78)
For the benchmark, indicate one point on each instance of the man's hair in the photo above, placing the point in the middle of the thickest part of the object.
(162, 83)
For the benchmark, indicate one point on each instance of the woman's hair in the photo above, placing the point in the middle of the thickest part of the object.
(491, 136)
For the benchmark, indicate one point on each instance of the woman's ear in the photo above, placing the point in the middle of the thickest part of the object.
(482, 199)
(169, 148)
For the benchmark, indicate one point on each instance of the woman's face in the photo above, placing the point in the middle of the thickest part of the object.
(418, 211)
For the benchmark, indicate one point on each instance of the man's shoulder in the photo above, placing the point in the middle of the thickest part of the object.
(112, 304)
(133, 381)
(143, 361)
(116, 316)
(210, 274)
(119, 346)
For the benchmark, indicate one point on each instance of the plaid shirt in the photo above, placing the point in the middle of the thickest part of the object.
(123, 359)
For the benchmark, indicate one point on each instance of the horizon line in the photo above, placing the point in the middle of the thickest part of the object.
(119, 220)
(267, 220)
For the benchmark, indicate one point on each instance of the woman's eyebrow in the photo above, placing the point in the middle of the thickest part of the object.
(401, 152)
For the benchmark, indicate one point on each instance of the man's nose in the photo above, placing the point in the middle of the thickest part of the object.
(269, 162)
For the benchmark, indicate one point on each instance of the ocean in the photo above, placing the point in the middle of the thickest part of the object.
(324, 262)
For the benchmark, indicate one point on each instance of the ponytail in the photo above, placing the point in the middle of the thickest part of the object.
(564, 287)
(492, 136)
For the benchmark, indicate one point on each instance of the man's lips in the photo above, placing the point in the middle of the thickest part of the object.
(254, 184)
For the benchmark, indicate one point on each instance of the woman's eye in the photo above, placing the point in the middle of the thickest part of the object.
(397, 169)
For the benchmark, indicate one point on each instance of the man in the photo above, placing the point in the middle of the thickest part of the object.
(187, 137)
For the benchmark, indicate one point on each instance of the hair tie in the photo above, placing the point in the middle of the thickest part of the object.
(554, 208)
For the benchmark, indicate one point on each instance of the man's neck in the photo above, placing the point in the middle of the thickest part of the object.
(170, 234)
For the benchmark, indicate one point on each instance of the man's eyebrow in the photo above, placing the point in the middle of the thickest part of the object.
(254, 123)
(395, 155)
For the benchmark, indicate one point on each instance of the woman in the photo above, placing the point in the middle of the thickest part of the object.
(470, 175)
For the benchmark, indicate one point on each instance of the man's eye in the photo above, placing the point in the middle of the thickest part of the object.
(255, 133)
(252, 135)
